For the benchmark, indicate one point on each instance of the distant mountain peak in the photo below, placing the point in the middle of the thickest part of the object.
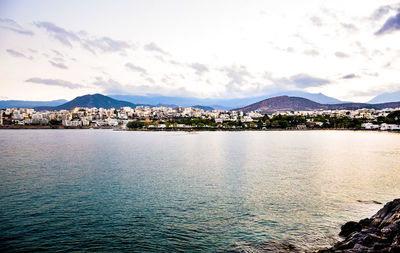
(386, 97)
(284, 103)
(29, 104)
(316, 97)
(91, 100)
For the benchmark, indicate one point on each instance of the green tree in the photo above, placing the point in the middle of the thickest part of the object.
(54, 122)
(135, 124)
(283, 123)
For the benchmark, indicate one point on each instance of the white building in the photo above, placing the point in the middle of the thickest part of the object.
(247, 119)
(369, 126)
(72, 123)
(112, 122)
(385, 127)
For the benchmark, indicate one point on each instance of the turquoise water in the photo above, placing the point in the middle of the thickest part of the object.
(104, 190)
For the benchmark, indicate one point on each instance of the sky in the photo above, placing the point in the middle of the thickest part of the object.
(54, 49)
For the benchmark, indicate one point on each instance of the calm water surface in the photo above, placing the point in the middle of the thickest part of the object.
(103, 190)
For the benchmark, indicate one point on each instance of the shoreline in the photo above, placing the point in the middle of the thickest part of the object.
(188, 129)
(380, 233)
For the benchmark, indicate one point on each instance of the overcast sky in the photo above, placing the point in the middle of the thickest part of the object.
(62, 49)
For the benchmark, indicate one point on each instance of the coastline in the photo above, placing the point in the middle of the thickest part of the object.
(16, 127)
(380, 233)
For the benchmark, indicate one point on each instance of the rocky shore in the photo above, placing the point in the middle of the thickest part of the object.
(380, 233)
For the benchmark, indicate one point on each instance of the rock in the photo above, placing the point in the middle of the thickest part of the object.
(365, 222)
(380, 233)
(350, 227)
(371, 231)
(269, 246)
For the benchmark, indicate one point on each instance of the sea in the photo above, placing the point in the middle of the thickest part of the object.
(139, 191)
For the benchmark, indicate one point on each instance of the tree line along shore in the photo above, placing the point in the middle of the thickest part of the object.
(163, 118)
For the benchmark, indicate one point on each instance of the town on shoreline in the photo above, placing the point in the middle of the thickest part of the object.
(189, 119)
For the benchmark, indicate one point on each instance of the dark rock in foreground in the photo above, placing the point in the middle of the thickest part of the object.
(269, 246)
(380, 233)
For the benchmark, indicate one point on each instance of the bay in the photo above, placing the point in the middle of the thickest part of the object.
(104, 190)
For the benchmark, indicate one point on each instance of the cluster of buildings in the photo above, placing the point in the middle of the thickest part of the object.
(369, 114)
(100, 117)
(382, 127)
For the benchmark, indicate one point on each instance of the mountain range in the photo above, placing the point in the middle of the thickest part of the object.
(386, 97)
(286, 103)
(29, 104)
(170, 101)
(220, 103)
(262, 103)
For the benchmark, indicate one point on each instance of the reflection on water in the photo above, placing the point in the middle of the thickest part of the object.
(155, 191)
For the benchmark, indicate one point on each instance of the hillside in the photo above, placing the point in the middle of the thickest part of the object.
(355, 106)
(205, 108)
(95, 100)
(316, 97)
(286, 103)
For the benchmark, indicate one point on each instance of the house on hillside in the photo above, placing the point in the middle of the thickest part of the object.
(390, 127)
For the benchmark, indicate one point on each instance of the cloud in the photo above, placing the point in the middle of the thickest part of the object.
(111, 86)
(302, 81)
(55, 82)
(58, 33)
(58, 65)
(341, 55)
(175, 63)
(154, 47)
(303, 40)
(350, 76)
(316, 21)
(167, 80)
(11, 25)
(373, 91)
(289, 49)
(107, 44)
(104, 44)
(15, 53)
(362, 49)
(391, 25)
(135, 68)
(150, 80)
(350, 27)
(374, 74)
(199, 68)
(381, 12)
(58, 59)
(57, 52)
(237, 74)
(311, 52)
